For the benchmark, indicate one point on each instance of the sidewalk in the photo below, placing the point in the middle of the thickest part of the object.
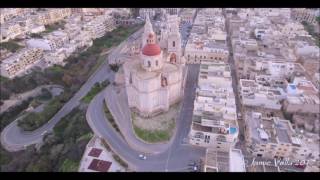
(96, 152)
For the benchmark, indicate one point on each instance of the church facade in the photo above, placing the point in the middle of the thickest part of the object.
(154, 79)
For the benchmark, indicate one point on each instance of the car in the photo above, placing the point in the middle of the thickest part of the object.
(195, 168)
(142, 156)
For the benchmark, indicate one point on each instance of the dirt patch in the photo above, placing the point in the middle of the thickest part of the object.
(164, 121)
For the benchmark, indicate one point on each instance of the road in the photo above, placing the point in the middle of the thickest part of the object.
(118, 105)
(175, 158)
(241, 123)
(15, 139)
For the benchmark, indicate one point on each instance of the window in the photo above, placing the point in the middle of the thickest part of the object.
(130, 79)
(149, 64)
(156, 62)
(173, 43)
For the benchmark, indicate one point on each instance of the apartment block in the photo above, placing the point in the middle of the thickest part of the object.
(269, 136)
(214, 122)
(20, 62)
(224, 161)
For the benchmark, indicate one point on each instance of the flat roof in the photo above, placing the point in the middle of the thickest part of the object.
(237, 159)
(218, 159)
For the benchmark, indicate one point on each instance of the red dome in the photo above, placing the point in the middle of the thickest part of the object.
(151, 50)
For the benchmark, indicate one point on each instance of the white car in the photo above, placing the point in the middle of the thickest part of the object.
(142, 157)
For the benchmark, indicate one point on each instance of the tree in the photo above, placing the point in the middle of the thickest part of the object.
(67, 79)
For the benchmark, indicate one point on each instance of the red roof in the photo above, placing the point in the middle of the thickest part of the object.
(99, 165)
(95, 152)
(151, 50)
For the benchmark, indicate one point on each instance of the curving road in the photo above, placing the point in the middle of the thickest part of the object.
(178, 154)
(119, 108)
(15, 139)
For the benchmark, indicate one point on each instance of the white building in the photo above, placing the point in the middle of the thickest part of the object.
(50, 42)
(153, 80)
(207, 41)
(272, 137)
(214, 122)
(304, 14)
(256, 95)
(224, 161)
(20, 62)
(144, 12)
(10, 31)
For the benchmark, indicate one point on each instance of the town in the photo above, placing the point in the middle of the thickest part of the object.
(160, 89)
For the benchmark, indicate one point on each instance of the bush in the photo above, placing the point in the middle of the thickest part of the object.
(95, 90)
(11, 46)
(45, 94)
(34, 120)
(13, 112)
(36, 35)
(114, 67)
(120, 161)
(69, 166)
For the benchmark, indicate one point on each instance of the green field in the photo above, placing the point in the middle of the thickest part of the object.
(152, 136)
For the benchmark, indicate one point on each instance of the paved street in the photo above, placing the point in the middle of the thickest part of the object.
(241, 123)
(118, 106)
(14, 139)
(175, 158)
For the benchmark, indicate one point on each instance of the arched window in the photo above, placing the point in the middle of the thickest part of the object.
(156, 62)
(149, 64)
(173, 44)
(173, 58)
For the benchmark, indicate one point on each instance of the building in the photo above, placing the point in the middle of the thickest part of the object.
(304, 14)
(50, 42)
(53, 15)
(207, 39)
(10, 31)
(20, 62)
(172, 11)
(187, 15)
(303, 97)
(214, 121)
(144, 12)
(256, 95)
(153, 80)
(99, 26)
(224, 161)
(316, 80)
(269, 136)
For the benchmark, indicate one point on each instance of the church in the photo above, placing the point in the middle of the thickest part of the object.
(154, 79)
